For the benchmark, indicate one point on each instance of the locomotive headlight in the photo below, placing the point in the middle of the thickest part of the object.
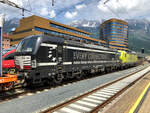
(34, 64)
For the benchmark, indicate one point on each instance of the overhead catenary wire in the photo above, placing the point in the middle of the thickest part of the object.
(49, 6)
(110, 8)
(128, 15)
(30, 5)
(14, 5)
(112, 11)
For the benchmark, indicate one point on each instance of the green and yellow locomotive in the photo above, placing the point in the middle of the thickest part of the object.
(127, 59)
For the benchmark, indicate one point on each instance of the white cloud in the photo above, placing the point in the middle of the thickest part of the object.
(81, 9)
(66, 3)
(18, 2)
(80, 6)
(44, 11)
(125, 8)
(70, 14)
(52, 14)
(102, 7)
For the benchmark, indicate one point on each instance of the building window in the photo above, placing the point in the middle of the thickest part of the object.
(66, 36)
(68, 29)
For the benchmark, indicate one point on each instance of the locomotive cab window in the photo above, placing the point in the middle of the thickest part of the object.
(27, 45)
(119, 54)
(125, 55)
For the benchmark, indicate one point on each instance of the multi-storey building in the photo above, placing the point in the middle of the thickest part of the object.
(35, 25)
(6, 41)
(115, 33)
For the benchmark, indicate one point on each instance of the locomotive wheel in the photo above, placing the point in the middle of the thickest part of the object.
(80, 75)
(58, 78)
(107, 69)
(1, 88)
(48, 82)
(70, 75)
(27, 83)
(9, 86)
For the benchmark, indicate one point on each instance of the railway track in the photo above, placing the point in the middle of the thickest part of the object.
(21, 92)
(93, 101)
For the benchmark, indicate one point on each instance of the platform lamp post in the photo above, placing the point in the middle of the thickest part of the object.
(1, 30)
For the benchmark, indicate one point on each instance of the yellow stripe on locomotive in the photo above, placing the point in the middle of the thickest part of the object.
(126, 57)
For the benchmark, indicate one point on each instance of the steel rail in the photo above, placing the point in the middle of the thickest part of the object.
(17, 92)
(73, 102)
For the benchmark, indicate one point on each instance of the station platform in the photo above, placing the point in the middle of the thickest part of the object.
(135, 100)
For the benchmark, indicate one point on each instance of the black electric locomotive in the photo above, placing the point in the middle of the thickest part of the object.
(44, 58)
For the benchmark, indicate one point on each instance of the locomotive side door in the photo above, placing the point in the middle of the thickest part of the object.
(59, 58)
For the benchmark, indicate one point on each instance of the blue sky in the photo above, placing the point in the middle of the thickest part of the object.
(66, 11)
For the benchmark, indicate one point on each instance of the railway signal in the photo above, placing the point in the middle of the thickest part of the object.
(142, 50)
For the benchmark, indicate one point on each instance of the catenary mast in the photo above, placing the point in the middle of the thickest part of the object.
(1, 30)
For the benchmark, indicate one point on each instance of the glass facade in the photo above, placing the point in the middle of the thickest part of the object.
(38, 25)
(41, 25)
(115, 33)
(63, 35)
(67, 29)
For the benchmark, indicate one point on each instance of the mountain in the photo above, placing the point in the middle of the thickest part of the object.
(139, 32)
(139, 35)
(10, 24)
(91, 26)
(85, 23)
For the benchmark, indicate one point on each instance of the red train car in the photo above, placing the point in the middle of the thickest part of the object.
(8, 64)
(9, 77)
